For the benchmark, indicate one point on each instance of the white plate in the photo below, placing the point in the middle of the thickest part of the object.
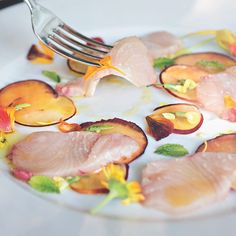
(24, 212)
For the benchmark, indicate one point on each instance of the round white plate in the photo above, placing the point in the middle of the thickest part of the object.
(25, 212)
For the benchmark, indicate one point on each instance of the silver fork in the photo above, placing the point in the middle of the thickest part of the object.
(64, 40)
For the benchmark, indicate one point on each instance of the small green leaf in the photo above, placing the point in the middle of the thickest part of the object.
(21, 106)
(163, 62)
(98, 128)
(52, 75)
(170, 86)
(174, 150)
(43, 184)
(180, 114)
(213, 65)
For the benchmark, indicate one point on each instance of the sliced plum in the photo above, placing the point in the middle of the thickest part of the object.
(180, 118)
(176, 75)
(211, 62)
(92, 184)
(81, 68)
(222, 143)
(122, 127)
(46, 107)
(77, 67)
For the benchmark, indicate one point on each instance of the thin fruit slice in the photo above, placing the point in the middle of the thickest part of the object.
(80, 68)
(120, 126)
(77, 67)
(159, 128)
(92, 184)
(225, 143)
(180, 118)
(222, 143)
(214, 62)
(175, 74)
(46, 107)
(40, 54)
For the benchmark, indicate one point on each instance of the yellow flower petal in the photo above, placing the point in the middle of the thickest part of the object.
(225, 38)
(134, 193)
(60, 182)
(116, 172)
(229, 102)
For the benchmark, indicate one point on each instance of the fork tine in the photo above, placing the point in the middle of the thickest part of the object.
(83, 37)
(76, 43)
(65, 52)
(63, 43)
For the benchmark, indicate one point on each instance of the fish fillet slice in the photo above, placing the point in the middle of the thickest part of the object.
(212, 89)
(69, 154)
(184, 185)
(129, 55)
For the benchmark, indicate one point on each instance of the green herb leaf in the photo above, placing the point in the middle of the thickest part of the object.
(170, 86)
(174, 150)
(21, 106)
(163, 62)
(52, 75)
(43, 184)
(98, 128)
(212, 65)
(180, 114)
(71, 180)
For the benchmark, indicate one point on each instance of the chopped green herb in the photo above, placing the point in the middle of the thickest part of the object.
(211, 65)
(174, 150)
(163, 62)
(21, 106)
(43, 184)
(71, 180)
(52, 75)
(180, 114)
(98, 128)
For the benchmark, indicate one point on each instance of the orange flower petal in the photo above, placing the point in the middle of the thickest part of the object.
(7, 120)
(106, 63)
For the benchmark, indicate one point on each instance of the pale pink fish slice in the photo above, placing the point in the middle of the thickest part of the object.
(162, 44)
(212, 89)
(68, 154)
(53, 153)
(183, 185)
(130, 56)
(109, 148)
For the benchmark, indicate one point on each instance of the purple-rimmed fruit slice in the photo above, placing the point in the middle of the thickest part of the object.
(124, 127)
(176, 73)
(46, 107)
(211, 62)
(92, 184)
(180, 118)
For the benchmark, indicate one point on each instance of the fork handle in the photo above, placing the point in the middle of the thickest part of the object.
(31, 4)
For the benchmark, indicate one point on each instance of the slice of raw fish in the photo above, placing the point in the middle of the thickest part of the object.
(183, 185)
(109, 148)
(129, 55)
(53, 153)
(64, 154)
(212, 89)
(162, 44)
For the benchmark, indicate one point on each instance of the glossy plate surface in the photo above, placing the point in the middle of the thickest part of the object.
(25, 212)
